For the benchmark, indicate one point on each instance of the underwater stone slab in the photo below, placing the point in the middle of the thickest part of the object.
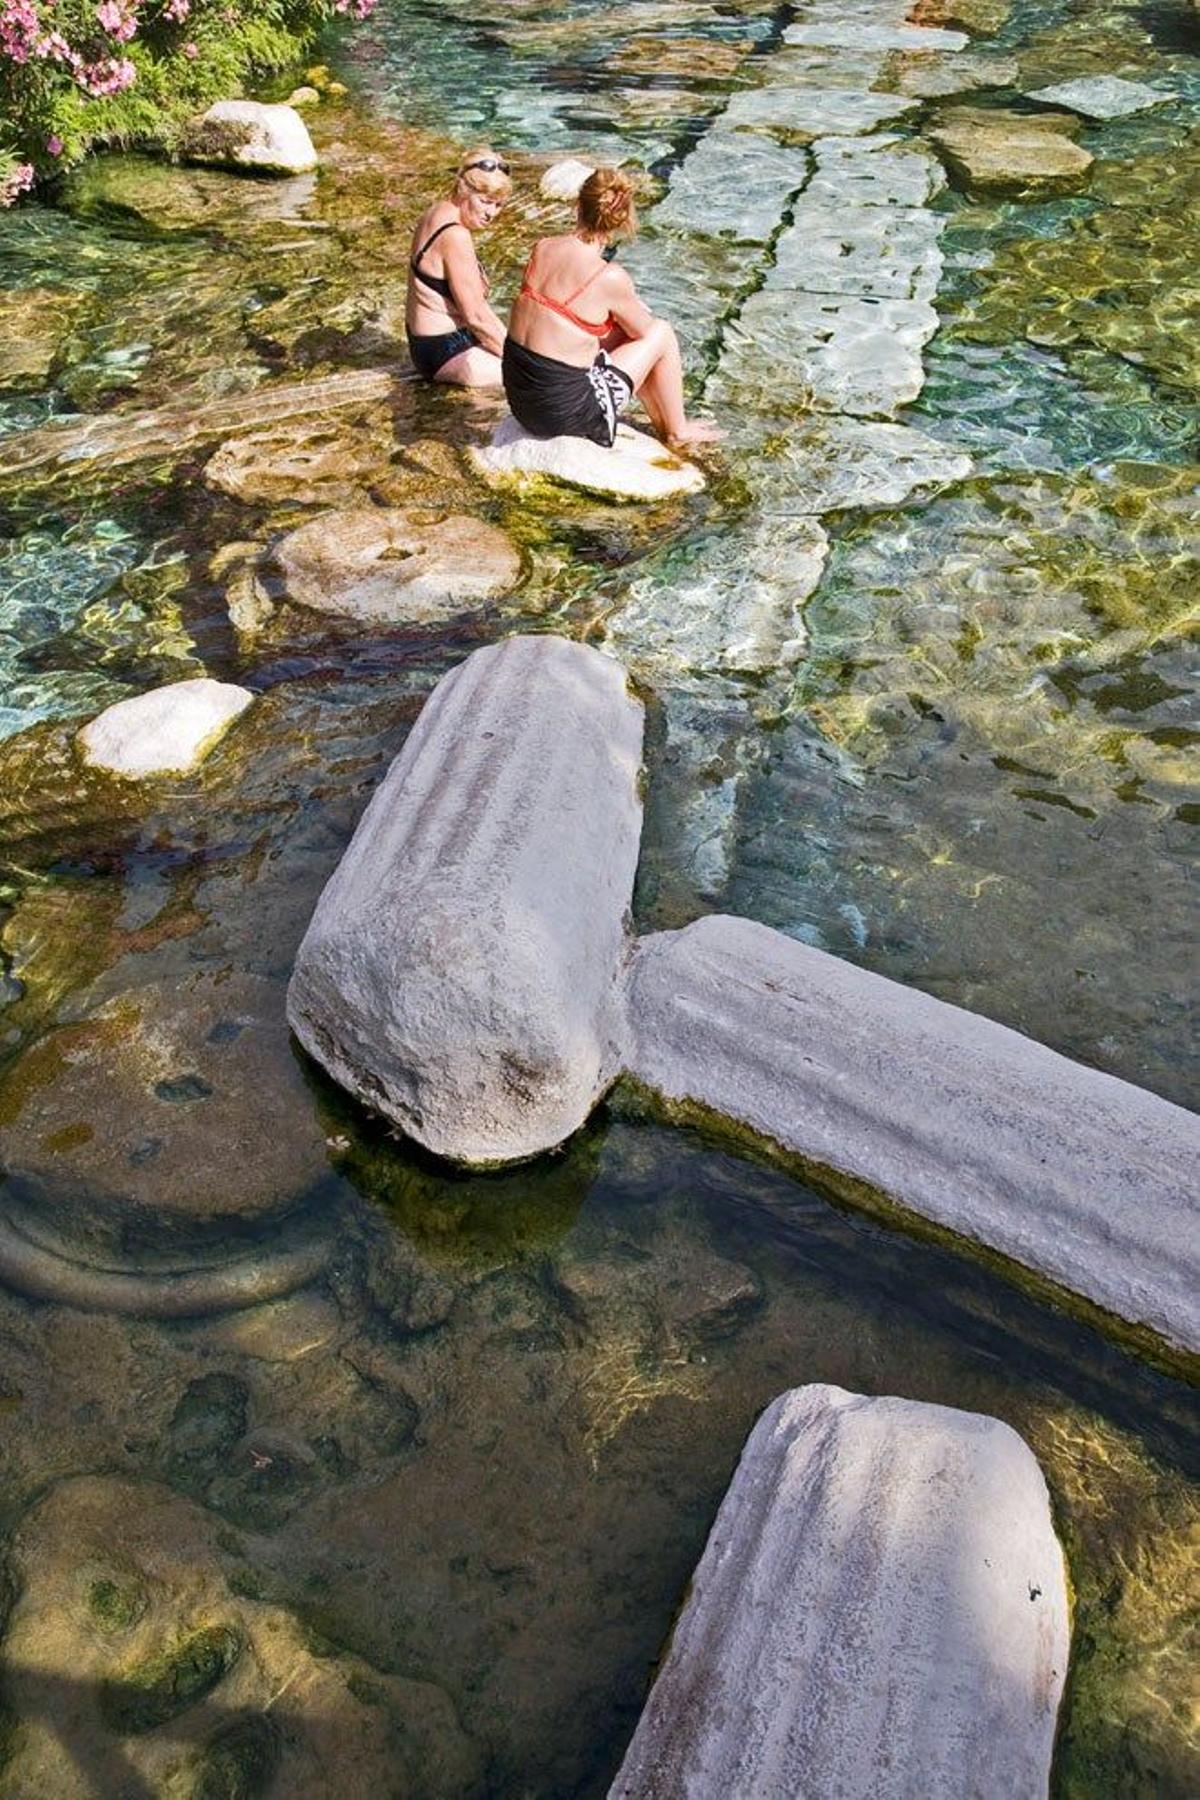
(168, 731)
(931, 77)
(730, 605)
(1081, 1178)
(837, 353)
(637, 467)
(1009, 152)
(735, 184)
(889, 252)
(387, 564)
(1101, 96)
(834, 464)
(248, 134)
(882, 170)
(821, 112)
(853, 34)
(880, 1610)
(461, 973)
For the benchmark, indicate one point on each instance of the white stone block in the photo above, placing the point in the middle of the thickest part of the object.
(461, 973)
(168, 731)
(390, 563)
(1083, 1179)
(637, 467)
(563, 180)
(880, 1612)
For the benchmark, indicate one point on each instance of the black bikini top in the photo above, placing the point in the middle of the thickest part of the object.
(439, 283)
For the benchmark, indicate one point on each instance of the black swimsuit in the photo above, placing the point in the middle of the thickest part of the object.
(557, 399)
(431, 351)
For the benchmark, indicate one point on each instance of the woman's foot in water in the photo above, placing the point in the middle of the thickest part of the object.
(694, 432)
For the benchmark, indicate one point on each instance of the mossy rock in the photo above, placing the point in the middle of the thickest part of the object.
(151, 1692)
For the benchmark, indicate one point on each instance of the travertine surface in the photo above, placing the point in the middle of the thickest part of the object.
(1084, 1179)
(167, 731)
(880, 1612)
(461, 972)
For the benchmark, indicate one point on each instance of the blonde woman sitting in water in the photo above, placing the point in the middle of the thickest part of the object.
(580, 343)
(453, 334)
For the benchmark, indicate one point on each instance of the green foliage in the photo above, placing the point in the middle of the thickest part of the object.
(51, 113)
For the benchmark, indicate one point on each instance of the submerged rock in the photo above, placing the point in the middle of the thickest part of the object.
(1101, 96)
(833, 464)
(246, 134)
(931, 77)
(168, 731)
(857, 35)
(133, 1140)
(637, 467)
(377, 563)
(96, 445)
(140, 1645)
(881, 1609)
(1081, 1178)
(1010, 152)
(831, 352)
(461, 971)
(37, 322)
(317, 462)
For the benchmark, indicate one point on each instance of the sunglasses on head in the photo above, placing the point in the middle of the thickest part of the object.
(490, 163)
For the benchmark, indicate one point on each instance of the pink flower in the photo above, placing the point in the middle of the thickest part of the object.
(177, 10)
(191, 51)
(54, 145)
(107, 77)
(118, 19)
(18, 179)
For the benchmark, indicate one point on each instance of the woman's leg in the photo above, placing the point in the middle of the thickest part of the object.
(655, 367)
(472, 368)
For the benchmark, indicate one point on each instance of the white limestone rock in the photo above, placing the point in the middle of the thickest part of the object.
(393, 564)
(833, 464)
(248, 134)
(563, 180)
(461, 973)
(637, 467)
(1083, 1179)
(932, 77)
(855, 35)
(880, 1611)
(1101, 96)
(168, 731)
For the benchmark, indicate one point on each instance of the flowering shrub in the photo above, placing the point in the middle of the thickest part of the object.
(78, 72)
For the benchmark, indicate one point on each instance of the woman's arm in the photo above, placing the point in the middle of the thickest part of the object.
(621, 297)
(467, 289)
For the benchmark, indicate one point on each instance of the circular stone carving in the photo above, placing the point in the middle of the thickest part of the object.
(385, 564)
